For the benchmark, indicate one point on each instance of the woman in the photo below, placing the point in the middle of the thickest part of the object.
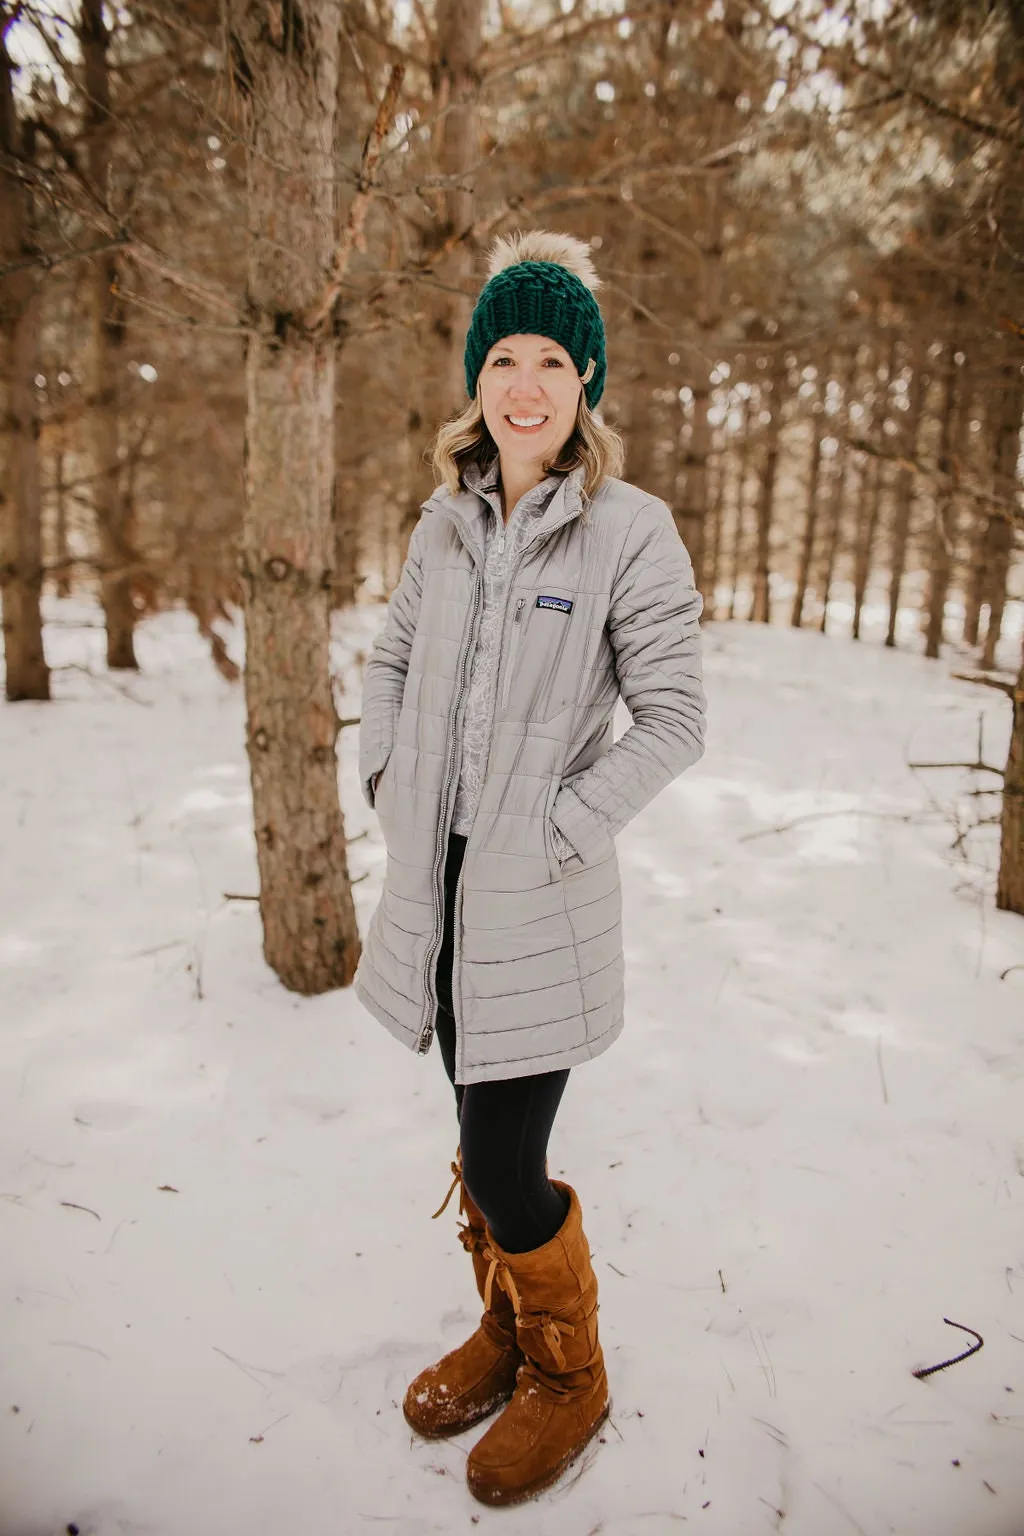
(538, 589)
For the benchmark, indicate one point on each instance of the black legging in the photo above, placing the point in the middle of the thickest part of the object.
(503, 1126)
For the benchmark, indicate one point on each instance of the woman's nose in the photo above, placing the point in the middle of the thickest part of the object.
(526, 387)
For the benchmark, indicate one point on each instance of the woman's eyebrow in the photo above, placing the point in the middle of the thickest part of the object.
(553, 350)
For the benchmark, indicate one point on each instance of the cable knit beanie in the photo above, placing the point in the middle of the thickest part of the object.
(540, 284)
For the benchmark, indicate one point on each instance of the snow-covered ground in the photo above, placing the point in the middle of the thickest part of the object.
(217, 1265)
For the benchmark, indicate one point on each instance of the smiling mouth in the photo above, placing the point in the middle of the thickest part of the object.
(535, 424)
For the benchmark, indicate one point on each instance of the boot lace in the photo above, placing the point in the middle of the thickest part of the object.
(552, 1328)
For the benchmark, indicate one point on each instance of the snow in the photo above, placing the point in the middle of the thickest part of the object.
(218, 1271)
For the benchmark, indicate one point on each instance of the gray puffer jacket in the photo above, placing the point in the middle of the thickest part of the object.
(602, 603)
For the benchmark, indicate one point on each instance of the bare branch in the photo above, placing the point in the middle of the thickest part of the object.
(932, 471)
(177, 318)
(49, 259)
(555, 36)
(352, 236)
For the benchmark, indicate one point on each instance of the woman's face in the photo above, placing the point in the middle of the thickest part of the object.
(532, 381)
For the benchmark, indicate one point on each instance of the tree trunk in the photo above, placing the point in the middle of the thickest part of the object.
(871, 502)
(346, 546)
(1000, 529)
(639, 379)
(286, 61)
(62, 552)
(905, 487)
(743, 464)
(692, 512)
(976, 575)
(766, 500)
(714, 545)
(439, 390)
(943, 530)
(868, 512)
(113, 513)
(21, 554)
(810, 520)
(837, 499)
(1010, 884)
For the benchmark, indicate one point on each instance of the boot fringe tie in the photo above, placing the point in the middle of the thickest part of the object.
(553, 1328)
(457, 1182)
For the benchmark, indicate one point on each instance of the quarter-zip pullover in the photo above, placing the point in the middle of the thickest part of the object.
(503, 544)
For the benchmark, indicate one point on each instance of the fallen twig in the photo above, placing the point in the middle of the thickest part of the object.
(1004, 685)
(977, 767)
(103, 677)
(851, 810)
(929, 1370)
(71, 1206)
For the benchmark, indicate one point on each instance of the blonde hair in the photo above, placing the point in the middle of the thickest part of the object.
(599, 449)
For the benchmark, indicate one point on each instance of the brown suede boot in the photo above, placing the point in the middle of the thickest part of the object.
(475, 1379)
(561, 1397)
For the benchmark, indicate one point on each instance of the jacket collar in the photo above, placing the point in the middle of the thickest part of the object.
(468, 510)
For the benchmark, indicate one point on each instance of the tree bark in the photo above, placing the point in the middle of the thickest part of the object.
(871, 503)
(715, 526)
(943, 530)
(62, 552)
(905, 487)
(440, 385)
(837, 498)
(976, 575)
(810, 520)
(21, 555)
(1010, 884)
(691, 515)
(766, 500)
(642, 373)
(999, 540)
(285, 60)
(743, 464)
(346, 546)
(113, 512)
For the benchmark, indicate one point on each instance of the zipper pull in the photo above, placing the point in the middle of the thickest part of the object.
(520, 605)
(501, 543)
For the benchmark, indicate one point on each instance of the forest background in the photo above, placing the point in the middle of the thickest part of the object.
(241, 243)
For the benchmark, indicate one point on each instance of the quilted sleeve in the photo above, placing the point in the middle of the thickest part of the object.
(386, 668)
(654, 629)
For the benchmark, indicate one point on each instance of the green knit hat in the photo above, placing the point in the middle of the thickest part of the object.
(540, 284)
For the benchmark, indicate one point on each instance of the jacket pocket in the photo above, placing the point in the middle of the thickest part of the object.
(584, 829)
(518, 625)
(546, 654)
(382, 794)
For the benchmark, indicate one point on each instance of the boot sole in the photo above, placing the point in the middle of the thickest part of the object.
(449, 1432)
(505, 1496)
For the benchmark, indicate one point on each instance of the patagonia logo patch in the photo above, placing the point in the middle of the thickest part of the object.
(560, 604)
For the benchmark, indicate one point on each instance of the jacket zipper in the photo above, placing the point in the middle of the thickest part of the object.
(517, 629)
(433, 948)
(427, 1029)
